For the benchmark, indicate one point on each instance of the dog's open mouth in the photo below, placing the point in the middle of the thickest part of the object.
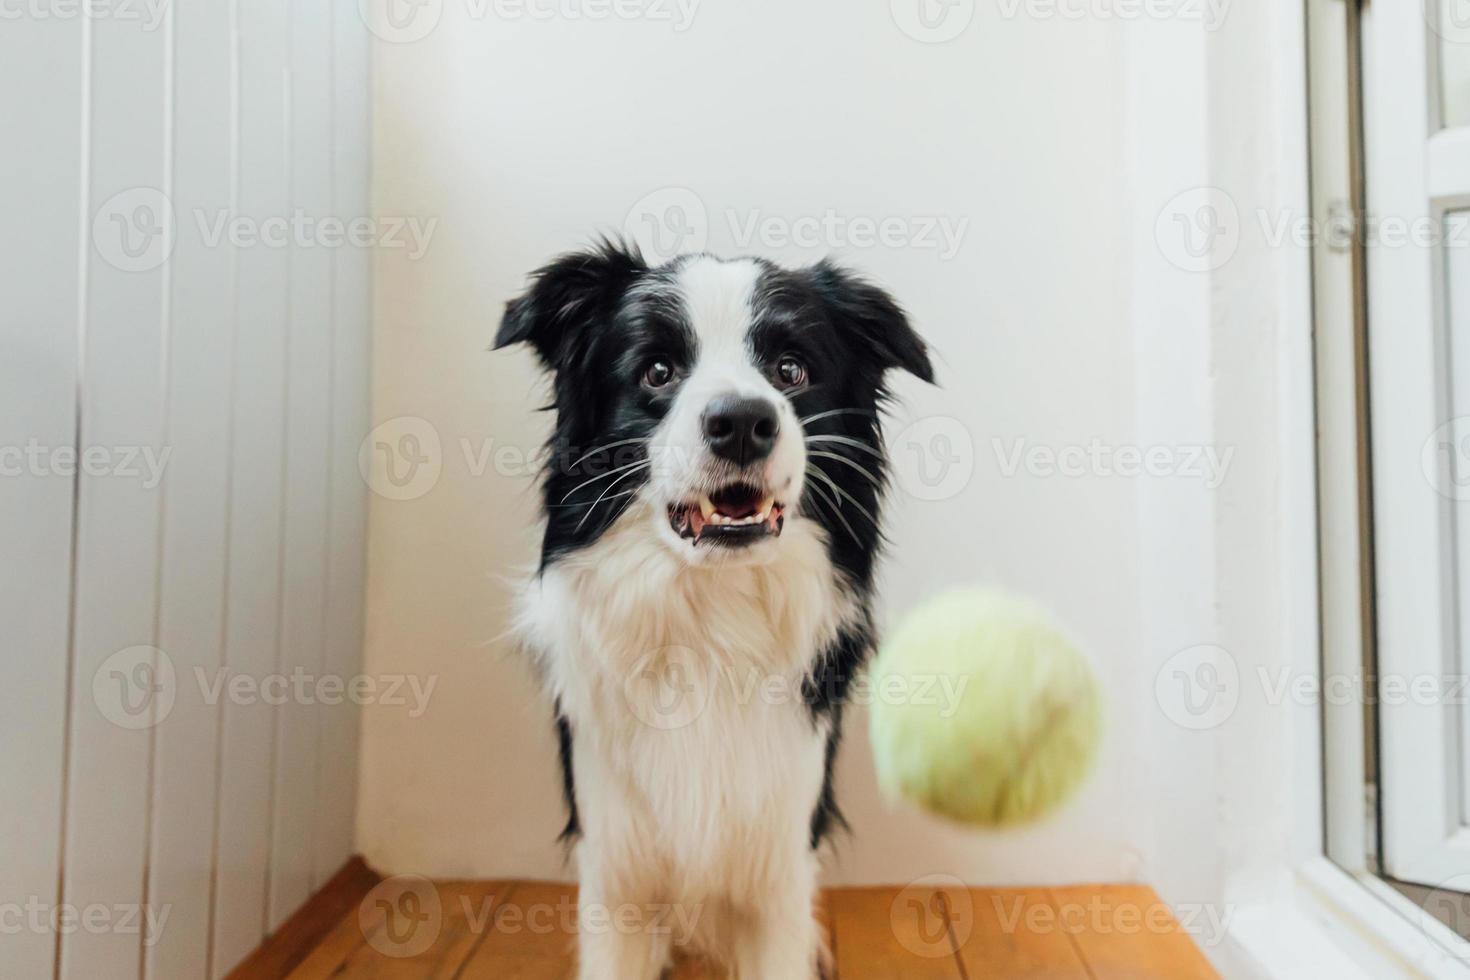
(735, 514)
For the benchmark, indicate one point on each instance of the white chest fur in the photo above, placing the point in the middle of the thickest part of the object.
(697, 763)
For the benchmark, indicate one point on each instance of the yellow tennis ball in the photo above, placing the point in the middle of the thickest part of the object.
(1012, 717)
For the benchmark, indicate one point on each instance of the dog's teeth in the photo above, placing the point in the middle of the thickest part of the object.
(706, 507)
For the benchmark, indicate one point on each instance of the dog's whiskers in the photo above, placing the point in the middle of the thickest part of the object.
(836, 411)
(816, 471)
(844, 441)
(601, 449)
(832, 504)
(591, 510)
(850, 462)
(625, 493)
(636, 464)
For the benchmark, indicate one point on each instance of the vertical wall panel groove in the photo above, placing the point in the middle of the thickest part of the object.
(39, 246)
(252, 624)
(118, 515)
(191, 601)
(303, 597)
(351, 364)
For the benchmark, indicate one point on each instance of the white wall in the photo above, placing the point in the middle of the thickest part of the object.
(521, 137)
(216, 390)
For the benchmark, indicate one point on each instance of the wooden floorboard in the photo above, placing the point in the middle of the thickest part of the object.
(1125, 932)
(1014, 931)
(410, 929)
(304, 932)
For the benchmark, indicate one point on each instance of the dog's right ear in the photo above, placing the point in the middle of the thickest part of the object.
(573, 293)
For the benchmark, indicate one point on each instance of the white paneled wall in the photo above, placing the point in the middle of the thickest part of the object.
(178, 312)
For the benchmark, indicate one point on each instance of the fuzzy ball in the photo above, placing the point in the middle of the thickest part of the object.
(1012, 718)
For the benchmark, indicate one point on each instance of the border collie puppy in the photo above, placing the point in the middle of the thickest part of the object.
(703, 600)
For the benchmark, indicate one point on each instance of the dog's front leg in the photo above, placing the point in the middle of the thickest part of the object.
(780, 939)
(613, 942)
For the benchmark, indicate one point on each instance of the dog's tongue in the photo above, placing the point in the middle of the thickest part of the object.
(737, 500)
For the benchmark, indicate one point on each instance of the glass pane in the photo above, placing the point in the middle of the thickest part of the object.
(1453, 26)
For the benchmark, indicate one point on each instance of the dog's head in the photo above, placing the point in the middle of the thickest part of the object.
(716, 400)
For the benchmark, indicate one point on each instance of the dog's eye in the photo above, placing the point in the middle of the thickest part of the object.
(658, 373)
(790, 372)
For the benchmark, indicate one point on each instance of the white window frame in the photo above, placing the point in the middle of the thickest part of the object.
(1293, 911)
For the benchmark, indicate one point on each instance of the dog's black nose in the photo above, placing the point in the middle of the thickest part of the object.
(742, 430)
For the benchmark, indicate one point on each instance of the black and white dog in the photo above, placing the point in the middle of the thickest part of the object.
(712, 497)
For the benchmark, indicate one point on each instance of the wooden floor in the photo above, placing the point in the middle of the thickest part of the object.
(409, 929)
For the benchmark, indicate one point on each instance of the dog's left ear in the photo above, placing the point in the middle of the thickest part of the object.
(568, 297)
(874, 317)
